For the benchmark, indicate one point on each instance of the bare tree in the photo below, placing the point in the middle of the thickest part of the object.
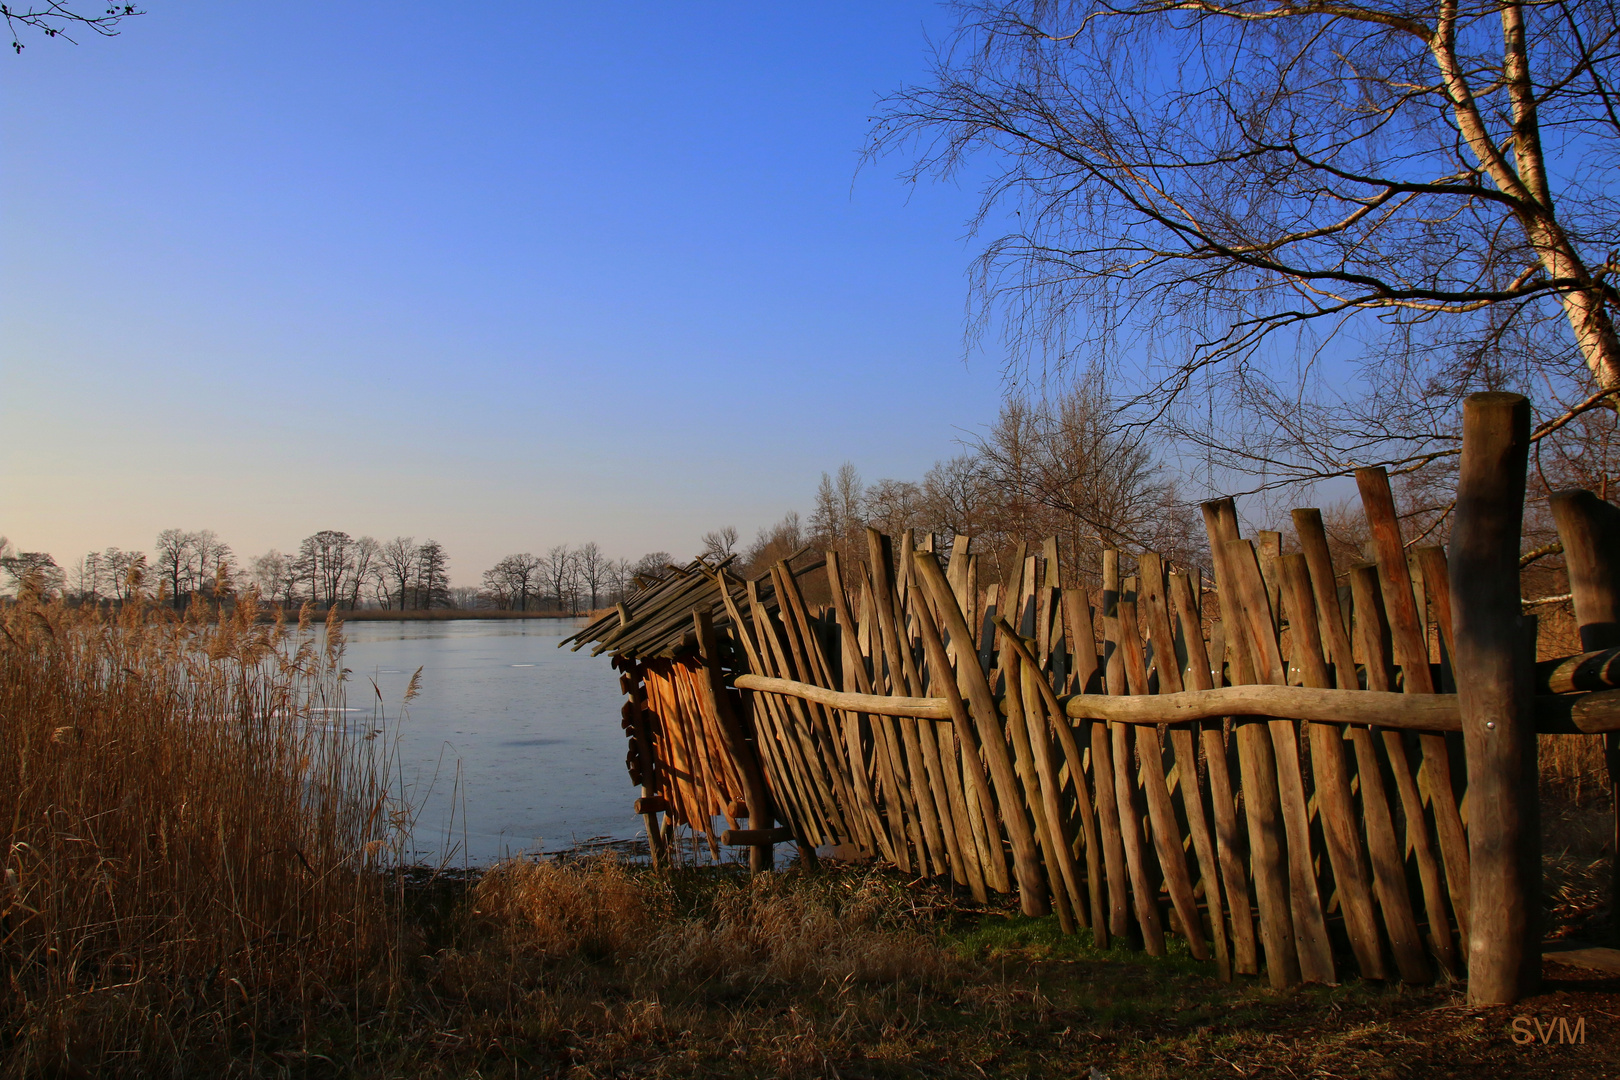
(651, 567)
(272, 574)
(1322, 223)
(513, 580)
(126, 571)
(839, 517)
(173, 558)
(619, 577)
(397, 560)
(573, 585)
(367, 554)
(88, 574)
(432, 584)
(1064, 465)
(776, 542)
(33, 572)
(719, 544)
(326, 561)
(558, 567)
(892, 506)
(56, 18)
(955, 496)
(214, 560)
(593, 567)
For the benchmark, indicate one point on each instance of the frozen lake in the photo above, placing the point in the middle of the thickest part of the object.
(513, 743)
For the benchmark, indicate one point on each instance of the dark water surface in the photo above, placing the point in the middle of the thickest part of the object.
(535, 730)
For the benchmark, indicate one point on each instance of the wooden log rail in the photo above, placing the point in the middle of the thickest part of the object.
(1590, 713)
(1263, 768)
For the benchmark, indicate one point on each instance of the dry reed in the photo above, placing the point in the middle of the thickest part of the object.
(193, 825)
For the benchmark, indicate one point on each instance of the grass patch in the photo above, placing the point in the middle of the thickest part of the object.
(202, 880)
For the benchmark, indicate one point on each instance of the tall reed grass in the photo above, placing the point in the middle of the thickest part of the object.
(194, 827)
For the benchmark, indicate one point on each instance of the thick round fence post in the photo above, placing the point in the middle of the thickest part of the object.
(1589, 529)
(1495, 688)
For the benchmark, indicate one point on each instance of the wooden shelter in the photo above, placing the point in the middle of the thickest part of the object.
(1274, 768)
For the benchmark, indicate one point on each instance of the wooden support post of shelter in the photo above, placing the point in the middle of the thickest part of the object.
(1495, 685)
(714, 699)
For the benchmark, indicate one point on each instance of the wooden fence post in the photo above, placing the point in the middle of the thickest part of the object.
(1495, 684)
(1589, 528)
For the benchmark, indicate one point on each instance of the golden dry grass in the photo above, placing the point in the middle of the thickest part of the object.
(191, 832)
(200, 881)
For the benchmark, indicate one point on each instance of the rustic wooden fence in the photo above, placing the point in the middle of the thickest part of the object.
(1272, 766)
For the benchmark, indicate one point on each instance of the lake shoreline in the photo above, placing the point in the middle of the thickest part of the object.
(444, 614)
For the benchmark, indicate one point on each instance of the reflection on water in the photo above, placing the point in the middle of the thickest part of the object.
(534, 730)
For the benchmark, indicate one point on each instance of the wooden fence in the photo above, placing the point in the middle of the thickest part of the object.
(1272, 765)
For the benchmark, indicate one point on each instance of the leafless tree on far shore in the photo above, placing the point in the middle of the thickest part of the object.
(398, 562)
(593, 569)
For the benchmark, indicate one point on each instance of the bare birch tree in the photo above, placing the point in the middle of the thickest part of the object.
(1319, 223)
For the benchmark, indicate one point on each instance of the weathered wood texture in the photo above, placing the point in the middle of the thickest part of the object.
(1589, 528)
(1495, 684)
(1260, 768)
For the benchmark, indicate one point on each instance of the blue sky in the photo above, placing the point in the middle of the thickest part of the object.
(540, 273)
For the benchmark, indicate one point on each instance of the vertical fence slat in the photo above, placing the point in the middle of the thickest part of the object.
(768, 733)
(1371, 635)
(1383, 850)
(1031, 887)
(716, 702)
(1042, 708)
(1265, 861)
(1144, 890)
(1161, 811)
(1103, 740)
(980, 805)
(798, 741)
(1332, 785)
(1258, 769)
(1038, 719)
(1305, 904)
(1411, 651)
(854, 677)
(1228, 864)
(813, 666)
(1034, 797)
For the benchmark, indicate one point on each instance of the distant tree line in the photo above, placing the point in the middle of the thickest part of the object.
(571, 579)
(331, 568)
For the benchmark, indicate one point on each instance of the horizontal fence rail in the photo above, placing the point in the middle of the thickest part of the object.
(1588, 714)
(1269, 766)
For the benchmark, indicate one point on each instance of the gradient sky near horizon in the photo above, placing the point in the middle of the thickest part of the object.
(542, 273)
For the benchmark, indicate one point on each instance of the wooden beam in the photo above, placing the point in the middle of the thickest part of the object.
(1494, 680)
(1556, 714)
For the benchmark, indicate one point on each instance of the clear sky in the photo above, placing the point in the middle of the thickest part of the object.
(506, 275)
